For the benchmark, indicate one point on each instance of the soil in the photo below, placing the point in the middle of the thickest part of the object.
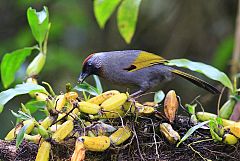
(146, 143)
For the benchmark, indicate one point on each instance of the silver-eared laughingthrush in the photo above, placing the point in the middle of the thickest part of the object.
(135, 67)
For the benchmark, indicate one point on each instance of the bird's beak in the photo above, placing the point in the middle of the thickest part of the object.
(82, 77)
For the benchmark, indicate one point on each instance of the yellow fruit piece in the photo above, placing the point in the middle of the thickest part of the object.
(43, 151)
(170, 134)
(145, 110)
(171, 105)
(79, 151)
(60, 102)
(235, 129)
(230, 139)
(116, 113)
(74, 114)
(41, 96)
(33, 138)
(47, 122)
(61, 115)
(71, 96)
(102, 97)
(55, 127)
(69, 107)
(151, 104)
(205, 116)
(12, 133)
(65, 129)
(114, 102)
(88, 108)
(99, 143)
(121, 135)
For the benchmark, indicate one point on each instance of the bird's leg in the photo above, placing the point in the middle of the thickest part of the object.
(135, 94)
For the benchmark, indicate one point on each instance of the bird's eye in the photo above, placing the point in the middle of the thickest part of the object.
(89, 64)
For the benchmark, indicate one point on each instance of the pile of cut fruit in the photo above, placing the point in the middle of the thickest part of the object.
(70, 116)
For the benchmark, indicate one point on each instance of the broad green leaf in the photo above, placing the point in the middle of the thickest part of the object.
(191, 130)
(159, 96)
(202, 68)
(103, 9)
(20, 89)
(20, 135)
(11, 62)
(38, 22)
(87, 88)
(98, 84)
(33, 106)
(127, 18)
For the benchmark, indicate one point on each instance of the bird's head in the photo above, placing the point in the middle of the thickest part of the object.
(91, 65)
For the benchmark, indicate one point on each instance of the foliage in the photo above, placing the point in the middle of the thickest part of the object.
(11, 63)
(20, 89)
(192, 130)
(39, 23)
(126, 16)
(159, 96)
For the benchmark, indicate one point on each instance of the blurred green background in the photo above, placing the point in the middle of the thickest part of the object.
(199, 30)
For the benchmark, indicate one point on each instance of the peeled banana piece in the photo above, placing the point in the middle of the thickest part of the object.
(114, 102)
(60, 102)
(102, 97)
(43, 151)
(99, 143)
(89, 108)
(171, 135)
(121, 135)
(79, 151)
(65, 129)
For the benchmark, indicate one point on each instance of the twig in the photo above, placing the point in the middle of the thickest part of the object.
(196, 142)
(154, 136)
(139, 151)
(219, 100)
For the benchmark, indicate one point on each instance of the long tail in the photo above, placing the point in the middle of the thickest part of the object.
(197, 81)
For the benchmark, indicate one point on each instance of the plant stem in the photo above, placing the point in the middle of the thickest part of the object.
(236, 51)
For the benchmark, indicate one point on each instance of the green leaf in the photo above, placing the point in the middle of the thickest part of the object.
(98, 84)
(103, 9)
(191, 108)
(33, 106)
(191, 130)
(20, 115)
(87, 88)
(202, 68)
(159, 96)
(20, 135)
(11, 62)
(20, 89)
(127, 18)
(38, 22)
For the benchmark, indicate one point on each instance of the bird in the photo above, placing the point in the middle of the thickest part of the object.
(136, 67)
